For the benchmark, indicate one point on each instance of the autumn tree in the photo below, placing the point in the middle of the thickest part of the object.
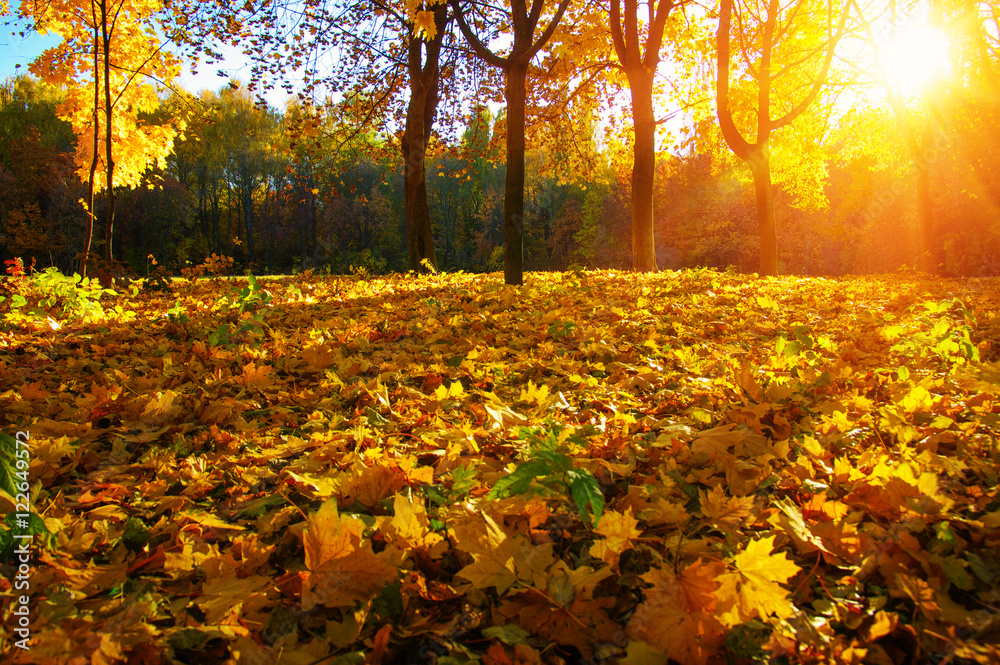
(783, 48)
(637, 44)
(423, 66)
(525, 46)
(113, 62)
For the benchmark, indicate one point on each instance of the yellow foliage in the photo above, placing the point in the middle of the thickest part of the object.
(137, 65)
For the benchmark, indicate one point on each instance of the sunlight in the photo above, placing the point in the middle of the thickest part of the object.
(915, 56)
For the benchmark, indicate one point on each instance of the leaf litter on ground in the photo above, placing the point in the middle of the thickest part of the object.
(596, 467)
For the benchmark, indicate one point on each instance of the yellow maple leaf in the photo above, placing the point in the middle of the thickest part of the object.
(423, 24)
(225, 595)
(221, 412)
(453, 391)
(161, 408)
(255, 376)
(317, 357)
(376, 483)
(618, 529)
(726, 512)
(409, 528)
(754, 589)
(500, 560)
(342, 567)
(665, 512)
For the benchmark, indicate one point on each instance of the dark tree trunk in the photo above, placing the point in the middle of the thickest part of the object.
(247, 198)
(108, 142)
(643, 170)
(91, 185)
(515, 94)
(640, 63)
(424, 82)
(216, 216)
(515, 68)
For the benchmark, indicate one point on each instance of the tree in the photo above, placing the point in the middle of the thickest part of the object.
(515, 68)
(249, 132)
(381, 47)
(38, 190)
(113, 62)
(423, 65)
(806, 28)
(640, 64)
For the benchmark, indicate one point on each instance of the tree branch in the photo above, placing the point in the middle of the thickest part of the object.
(470, 36)
(730, 133)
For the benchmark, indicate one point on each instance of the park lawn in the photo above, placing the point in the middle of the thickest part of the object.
(595, 467)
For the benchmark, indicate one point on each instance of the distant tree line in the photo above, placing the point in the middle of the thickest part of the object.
(248, 183)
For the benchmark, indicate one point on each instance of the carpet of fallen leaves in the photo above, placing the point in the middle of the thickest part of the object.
(792, 470)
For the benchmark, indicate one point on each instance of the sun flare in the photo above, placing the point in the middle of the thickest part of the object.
(915, 56)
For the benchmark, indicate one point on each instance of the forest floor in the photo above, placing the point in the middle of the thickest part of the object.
(597, 467)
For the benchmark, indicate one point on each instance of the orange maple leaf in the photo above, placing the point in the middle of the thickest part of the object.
(582, 622)
(342, 568)
(677, 615)
(317, 357)
(254, 376)
(726, 512)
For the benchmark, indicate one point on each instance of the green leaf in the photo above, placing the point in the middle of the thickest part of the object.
(510, 634)
(8, 446)
(519, 481)
(586, 493)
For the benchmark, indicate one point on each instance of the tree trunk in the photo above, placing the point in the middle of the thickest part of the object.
(925, 219)
(247, 199)
(921, 163)
(424, 82)
(643, 170)
(91, 186)
(108, 142)
(760, 166)
(513, 201)
(419, 237)
(216, 216)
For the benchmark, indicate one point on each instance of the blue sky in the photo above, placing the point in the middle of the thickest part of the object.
(17, 50)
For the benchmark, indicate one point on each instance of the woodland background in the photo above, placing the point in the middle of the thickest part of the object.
(319, 184)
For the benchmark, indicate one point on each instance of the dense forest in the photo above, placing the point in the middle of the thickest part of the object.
(872, 176)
